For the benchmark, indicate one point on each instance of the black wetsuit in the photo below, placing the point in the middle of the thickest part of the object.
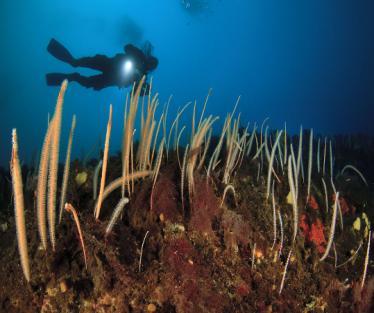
(112, 73)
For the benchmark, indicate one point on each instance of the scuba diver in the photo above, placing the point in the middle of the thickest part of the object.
(122, 70)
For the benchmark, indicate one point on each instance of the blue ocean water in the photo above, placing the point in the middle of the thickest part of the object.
(300, 62)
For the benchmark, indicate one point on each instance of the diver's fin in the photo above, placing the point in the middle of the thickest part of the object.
(59, 51)
(55, 79)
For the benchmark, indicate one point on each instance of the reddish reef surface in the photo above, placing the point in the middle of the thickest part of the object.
(201, 254)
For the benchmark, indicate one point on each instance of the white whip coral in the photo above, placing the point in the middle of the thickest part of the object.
(67, 168)
(285, 272)
(53, 166)
(118, 182)
(96, 178)
(332, 228)
(366, 262)
(42, 186)
(70, 209)
(19, 207)
(270, 170)
(310, 162)
(116, 213)
(157, 169)
(105, 163)
(294, 198)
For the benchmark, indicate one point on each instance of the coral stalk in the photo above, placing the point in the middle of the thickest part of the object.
(141, 250)
(366, 262)
(177, 146)
(183, 171)
(326, 195)
(128, 133)
(310, 162)
(70, 209)
(332, 228)
(331, 162)
(19, 207)
(281, 232)
(253, 256)
(116, 213)
(96, 178)
(271, 163)
(105, 163)
(227, 188)
(355, 170)
(157, 169)
(285, 272)
(274, 218)
(318, 155)
(324, 158)
(299, 153)
(179, 114)
(285, 143)
(118, 182)
(53, 166)
(42, 186)
(294, 198)
(67, 168)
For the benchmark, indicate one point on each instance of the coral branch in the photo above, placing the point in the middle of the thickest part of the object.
(70, 209)
(53, 165)
(105, 162)
(19, 207)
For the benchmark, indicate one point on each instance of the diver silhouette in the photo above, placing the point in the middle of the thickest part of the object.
(122, 70)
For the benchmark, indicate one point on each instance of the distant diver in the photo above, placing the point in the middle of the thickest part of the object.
(194, 6)
(122, 70)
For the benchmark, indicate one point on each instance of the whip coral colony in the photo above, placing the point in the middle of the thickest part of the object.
(198, 251)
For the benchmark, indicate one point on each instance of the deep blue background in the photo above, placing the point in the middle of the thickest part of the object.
(304, 62)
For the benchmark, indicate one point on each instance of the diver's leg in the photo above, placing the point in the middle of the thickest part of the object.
(96, 82)
(98, 62)
(56, 79)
